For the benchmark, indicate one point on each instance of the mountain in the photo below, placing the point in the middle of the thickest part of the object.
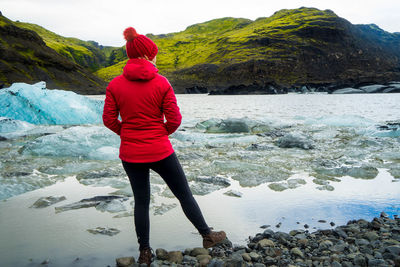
(291, 48)
(25, 57)
(88, 54)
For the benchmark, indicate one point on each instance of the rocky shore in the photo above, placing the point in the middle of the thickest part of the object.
(358, 243)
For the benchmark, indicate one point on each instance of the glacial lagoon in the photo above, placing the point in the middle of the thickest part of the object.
(278, 160)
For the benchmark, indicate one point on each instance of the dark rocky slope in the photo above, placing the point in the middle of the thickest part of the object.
(24, 57)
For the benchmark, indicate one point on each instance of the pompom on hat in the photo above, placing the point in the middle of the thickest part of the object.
(138, 45)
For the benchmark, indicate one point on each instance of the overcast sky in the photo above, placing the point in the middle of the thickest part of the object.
(104, 21)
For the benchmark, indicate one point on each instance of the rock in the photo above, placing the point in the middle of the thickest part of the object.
(335, 264)
(125, 261)
(246, 257)
(394, 250)
(199, 251)
(360, 260)
(216, 263)
(348, 91)
(321, 221)
(384, 215)
(377, 263)
(45, 262)
(175, 257)
(306, 226)
(233, 193)
(265, 226)
(361, 242)
(161, 254)
(254, 256)
(371, 236)
(325, 244)
(332, 224)
(297, 252)
(47, 201)
(201, 257)
(104, 231)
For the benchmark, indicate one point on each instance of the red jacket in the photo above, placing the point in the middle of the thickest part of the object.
(142, 97)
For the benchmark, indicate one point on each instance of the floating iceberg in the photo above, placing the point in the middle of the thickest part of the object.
(38, 105)
(89, 142)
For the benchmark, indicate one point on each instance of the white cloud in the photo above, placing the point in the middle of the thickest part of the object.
(104, 21)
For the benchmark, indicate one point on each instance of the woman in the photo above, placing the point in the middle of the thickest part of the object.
(143, 98)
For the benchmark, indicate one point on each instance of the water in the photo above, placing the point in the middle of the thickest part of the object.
(296, 159)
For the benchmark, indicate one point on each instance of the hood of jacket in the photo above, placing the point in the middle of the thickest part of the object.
(139, 69)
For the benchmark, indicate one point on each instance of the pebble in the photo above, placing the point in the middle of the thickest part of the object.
(358, 243)
(125, 261)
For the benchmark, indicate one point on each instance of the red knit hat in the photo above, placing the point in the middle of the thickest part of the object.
(138, 45)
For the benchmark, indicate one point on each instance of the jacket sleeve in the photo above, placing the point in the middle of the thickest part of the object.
(171, 111)
(110, 113)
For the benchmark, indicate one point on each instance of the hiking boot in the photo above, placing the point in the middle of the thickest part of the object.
(213, 238)
(146, 256)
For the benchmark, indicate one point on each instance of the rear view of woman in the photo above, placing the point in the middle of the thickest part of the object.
(143, 98)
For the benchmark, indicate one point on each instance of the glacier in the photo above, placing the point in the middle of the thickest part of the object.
(38, 105)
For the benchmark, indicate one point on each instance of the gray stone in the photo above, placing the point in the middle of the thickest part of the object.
(377, 263)
(325, 244)
(203, 259)
(161, 254)
(335, 264)
(297, 252)
(362, 242)
(216, 263)
(360, 260)
(258, 264)
(125, 261)
(246, 257)
(175, 256)
(199, 251)
(394, 250)
(254, 256)
(371, 236)
(265, 243)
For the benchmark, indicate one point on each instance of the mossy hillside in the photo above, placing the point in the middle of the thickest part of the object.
(229, 41)
(88, 54)
(25, 57)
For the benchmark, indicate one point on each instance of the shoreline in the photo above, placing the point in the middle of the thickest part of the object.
(357, 243)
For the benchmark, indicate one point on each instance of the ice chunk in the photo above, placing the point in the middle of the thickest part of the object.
(104, 231)
(341, 121)
(348, 91)
(78, 141)
(376, 88)
(112, 206)
(90, 202)
(216, 180)
(232, 125)
(163, 208)
(279, 187)
(38, 105)
(47, 201)
(8, 125)
(201, 189)
(233, 193)
(295, 139)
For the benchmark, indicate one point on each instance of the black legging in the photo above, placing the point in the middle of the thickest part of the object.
(171, 171)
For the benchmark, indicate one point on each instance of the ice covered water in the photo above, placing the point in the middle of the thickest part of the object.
(38, 105)
(261, 158)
